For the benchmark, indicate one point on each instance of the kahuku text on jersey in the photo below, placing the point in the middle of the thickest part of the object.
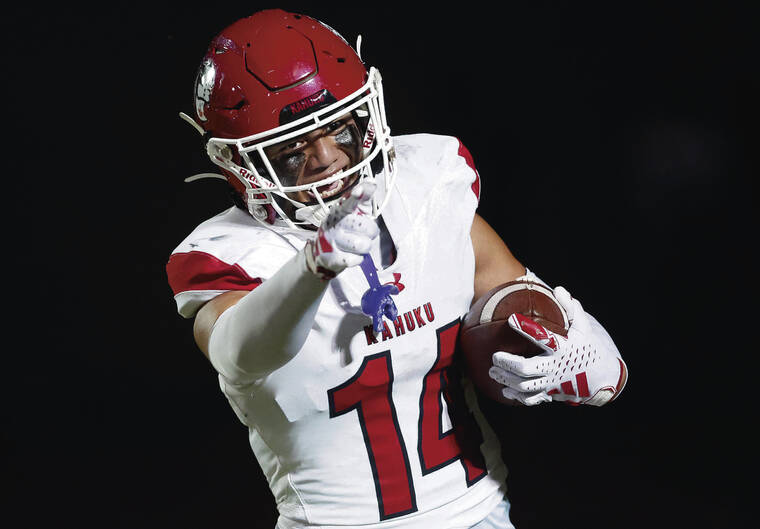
(406, 322)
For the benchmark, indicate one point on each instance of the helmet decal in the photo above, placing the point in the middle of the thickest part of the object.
(308, 104)
(204, 85)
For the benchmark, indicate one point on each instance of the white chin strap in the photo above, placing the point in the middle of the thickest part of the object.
(312, 214)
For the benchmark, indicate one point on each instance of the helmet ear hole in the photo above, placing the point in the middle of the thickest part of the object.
(220, 151)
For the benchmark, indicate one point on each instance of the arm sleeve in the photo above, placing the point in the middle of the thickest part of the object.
(268, 326)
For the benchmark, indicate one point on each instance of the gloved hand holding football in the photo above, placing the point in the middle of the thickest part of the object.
(563, 353)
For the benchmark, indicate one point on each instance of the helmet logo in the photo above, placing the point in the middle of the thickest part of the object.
(204, 84)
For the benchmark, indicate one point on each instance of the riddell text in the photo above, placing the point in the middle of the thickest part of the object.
(409, 321)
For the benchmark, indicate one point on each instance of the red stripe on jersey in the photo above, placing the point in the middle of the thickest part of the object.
(464, 153)
(582, 382)
(203, 271)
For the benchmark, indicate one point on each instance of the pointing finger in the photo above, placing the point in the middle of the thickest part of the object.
(360, 194)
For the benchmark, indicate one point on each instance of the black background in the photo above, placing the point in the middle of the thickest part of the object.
(615, 145)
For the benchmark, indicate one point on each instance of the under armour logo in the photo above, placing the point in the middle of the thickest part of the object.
(396, 281)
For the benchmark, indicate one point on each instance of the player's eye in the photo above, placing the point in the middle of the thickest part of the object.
(336, 126)
(292, 146)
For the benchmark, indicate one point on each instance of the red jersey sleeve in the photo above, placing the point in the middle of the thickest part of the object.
(196, 277)
(465, 153)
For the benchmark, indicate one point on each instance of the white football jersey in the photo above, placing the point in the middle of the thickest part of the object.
(360, 428)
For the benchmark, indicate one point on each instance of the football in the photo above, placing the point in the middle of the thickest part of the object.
(485, 329)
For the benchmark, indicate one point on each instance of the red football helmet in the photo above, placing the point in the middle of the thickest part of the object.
(275, 76)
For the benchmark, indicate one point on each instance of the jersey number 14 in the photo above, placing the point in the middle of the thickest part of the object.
(370, 393)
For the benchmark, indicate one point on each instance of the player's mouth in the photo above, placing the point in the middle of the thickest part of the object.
(334, 188)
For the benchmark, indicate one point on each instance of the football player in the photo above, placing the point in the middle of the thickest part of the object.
(329, 298)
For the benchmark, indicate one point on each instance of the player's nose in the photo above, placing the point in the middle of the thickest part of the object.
(323, 153)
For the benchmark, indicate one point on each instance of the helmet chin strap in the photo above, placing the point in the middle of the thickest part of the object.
(312, 214)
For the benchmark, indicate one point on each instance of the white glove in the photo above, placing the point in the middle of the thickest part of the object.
(584, 368)
(344, 236)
